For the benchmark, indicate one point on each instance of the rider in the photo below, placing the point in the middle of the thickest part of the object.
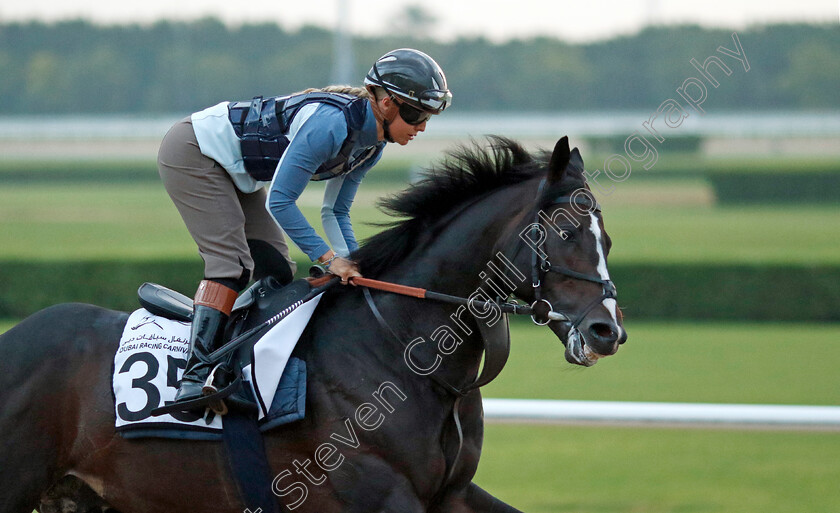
(215, 164)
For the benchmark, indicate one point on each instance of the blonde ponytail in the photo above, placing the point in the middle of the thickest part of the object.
(361, 92)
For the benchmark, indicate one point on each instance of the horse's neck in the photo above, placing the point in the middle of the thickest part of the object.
(463, 249)
(456, 263)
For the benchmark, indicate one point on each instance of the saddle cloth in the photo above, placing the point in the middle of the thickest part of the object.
(151, 358)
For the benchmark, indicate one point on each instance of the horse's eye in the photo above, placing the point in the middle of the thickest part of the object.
(567, 235)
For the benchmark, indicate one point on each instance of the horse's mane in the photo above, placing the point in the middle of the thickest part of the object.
(466, 173)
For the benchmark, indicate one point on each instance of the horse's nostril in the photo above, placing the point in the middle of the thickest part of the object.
(602, 331)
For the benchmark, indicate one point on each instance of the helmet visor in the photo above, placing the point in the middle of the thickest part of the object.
(435, 100)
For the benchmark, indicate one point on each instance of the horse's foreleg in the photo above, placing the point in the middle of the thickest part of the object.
(474, 500)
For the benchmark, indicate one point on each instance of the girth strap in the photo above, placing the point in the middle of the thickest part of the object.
(248, 463)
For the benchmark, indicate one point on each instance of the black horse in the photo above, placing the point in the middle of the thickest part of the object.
(379, 433)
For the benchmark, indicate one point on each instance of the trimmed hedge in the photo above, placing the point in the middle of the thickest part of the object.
(728, 292)
(645, 291)
(615, 144)
(795, 186)
(28, 287)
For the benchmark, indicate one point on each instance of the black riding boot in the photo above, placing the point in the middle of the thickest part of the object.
(208, 326)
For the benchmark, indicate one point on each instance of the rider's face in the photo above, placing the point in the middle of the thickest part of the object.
(401, 131)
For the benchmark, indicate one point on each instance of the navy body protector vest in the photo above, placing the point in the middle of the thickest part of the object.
(262, 125)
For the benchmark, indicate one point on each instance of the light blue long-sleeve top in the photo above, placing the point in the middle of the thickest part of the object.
(316, 134)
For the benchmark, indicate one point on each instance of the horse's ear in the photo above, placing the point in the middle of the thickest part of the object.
(575, 159)
(559, 160)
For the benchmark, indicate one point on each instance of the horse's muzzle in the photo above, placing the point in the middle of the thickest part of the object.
(603, 338)
(593, 341)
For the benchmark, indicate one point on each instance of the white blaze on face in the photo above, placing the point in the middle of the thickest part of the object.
(610, 304)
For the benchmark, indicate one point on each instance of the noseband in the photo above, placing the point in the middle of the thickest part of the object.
(540, 266)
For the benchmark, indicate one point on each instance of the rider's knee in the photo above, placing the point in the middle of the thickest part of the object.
(268, 261)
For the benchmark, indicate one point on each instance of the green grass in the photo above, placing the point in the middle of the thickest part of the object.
(88, 222)
(709, 234)
(551, 469)
(688, 362)
(110, 221)
(554, 469)
(138, 221)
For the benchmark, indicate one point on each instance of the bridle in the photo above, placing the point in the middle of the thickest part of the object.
(543, 311)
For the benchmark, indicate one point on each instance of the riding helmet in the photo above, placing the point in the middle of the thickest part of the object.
(413, 77)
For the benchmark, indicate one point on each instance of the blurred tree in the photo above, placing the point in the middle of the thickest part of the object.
(8, 66)
(44, 82)
(414, 22)
(99, 80)
(813, 74)
(180, 67)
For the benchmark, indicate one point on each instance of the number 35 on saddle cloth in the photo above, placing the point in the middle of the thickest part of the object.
(154, 347)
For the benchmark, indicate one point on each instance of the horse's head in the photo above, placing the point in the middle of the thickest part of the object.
(562, 244)
(458, 219)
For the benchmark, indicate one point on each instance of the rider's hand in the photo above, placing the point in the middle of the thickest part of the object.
(344, 269)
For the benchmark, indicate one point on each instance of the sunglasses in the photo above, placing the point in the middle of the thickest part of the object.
(411, 115)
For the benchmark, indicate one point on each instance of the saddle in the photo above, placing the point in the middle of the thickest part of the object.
(249, 320)
(170, 304)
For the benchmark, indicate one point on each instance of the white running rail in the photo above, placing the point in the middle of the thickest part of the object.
(658, 414)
